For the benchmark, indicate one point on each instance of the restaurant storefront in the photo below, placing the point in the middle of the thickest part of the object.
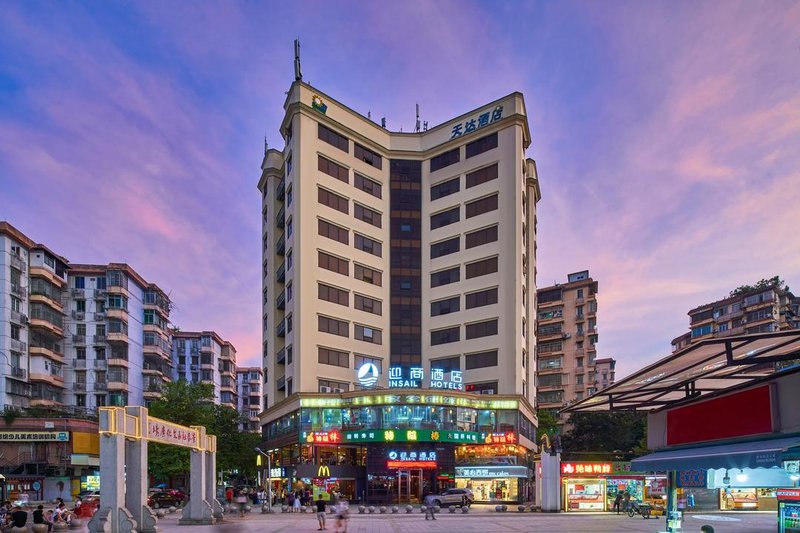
(398, 447)
(593, 486)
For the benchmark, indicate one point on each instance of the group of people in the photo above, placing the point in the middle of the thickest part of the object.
(622, 502)
(16, 516)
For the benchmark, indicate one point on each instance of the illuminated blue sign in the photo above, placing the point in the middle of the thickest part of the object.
(413, 380)
(474, 124)
(456, 381)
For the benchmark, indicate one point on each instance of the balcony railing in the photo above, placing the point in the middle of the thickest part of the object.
(78, 315)
(100, 385)
(79, 363)
(280, 330)
(100, 294)
(101, 363)
(280, 357)
(78, 293)
(280, 246)
(79, 339)
(79, 386)
(99, 316)
(281, 191)
(99, 339)
(19, 373)
(280, 218)
(18, 346)
(282, 383)
(18, 290)
(18, 317)
(280, 275)
(280, 302)
(18, 263)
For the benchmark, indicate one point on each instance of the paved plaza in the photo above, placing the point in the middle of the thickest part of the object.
(483, 521)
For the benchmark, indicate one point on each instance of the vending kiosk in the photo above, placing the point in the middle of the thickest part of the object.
(788, 510)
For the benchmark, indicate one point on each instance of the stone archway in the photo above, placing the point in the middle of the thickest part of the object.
(124, 434)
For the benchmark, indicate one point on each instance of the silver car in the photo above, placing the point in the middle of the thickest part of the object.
(455, 497)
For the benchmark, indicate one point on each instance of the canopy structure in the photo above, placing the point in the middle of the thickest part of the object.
(762, 454)
(701, 369)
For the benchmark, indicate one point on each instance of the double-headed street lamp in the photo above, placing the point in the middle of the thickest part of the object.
(269, 478)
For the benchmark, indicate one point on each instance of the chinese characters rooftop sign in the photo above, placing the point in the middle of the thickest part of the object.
(169, 433)
(323, 437)
(585, 468)
(414, 376)
(476, 123)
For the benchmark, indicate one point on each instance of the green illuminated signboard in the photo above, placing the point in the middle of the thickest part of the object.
(413, 435)
(409, 399)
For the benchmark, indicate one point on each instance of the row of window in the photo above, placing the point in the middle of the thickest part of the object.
(341, 204)
(472, 270)
(342, 297)
(343, 143)
(472, 209)
(473, 179)
(342, 266)
(478, 146)
(342, 328)
(342, 235)
(475, 330)
(472, 300)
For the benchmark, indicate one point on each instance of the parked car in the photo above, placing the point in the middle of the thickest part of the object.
(455, 497)
(166, 498)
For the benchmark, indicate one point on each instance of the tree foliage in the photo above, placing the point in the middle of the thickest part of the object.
(548, 424)
(774, 281)
(621, 432)
(192, 404)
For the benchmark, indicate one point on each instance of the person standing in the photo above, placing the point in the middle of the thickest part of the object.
(321, 513)
(229, 495)
(342, 516)
(430, 502)
(626, 501)
(297, 502)
(617, 502)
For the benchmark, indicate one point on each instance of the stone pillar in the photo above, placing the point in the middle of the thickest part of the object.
(136, 491)
(551, 482)
(198, 510)
(112, 516)
(211, 477)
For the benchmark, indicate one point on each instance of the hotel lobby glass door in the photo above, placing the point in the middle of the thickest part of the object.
(409, 486)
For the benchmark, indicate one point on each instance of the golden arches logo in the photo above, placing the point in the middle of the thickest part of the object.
(324, 471)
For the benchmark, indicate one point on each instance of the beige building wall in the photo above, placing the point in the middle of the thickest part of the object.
(295, 172)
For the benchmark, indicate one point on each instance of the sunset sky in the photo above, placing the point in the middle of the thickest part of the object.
(667, 136)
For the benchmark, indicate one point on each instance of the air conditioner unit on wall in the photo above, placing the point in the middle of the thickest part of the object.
(487, 391)
(325, 389)
(337, 390)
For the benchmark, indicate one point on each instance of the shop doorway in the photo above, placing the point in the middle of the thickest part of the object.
(409, 486)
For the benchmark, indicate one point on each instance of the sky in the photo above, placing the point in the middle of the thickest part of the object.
(666, 135)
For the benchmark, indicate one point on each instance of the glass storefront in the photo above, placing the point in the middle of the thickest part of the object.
(491, 490)
(584, 494)
(747, 499)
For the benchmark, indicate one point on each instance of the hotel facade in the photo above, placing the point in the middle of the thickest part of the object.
(399, 302)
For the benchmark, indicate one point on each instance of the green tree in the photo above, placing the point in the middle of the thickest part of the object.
(548, 424)
(774, 281)
(192, 404)
(619, 432)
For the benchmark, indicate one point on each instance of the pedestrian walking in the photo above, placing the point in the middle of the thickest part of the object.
(617, 502)
(297, 502)
(241, 501)
(229, 495)
(626, 501)
(342, 516)
(321, 513)
(430, 502)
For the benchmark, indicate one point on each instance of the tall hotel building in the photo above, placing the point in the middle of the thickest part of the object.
(398, 301)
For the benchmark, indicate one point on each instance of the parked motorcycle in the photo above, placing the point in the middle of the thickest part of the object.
(639, 508)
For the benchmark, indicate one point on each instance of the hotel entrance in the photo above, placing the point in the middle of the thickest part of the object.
(411, 485)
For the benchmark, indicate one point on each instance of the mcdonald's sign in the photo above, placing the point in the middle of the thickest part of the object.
(324, 471)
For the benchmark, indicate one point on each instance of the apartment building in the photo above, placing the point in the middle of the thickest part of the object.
(567, 366)
(758, 310)
(118, 340)
(205, 357)
(32, 283)
(249, 381)
(399, 268)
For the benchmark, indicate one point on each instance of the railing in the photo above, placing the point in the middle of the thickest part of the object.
(78, 315)
(18, 317)
(100, 385)
(280, 275)
(281, 191)
(99, 339)
(280, 330)
(101, 363)
(99, 316)
(282, 383)
(280, 246)
(79, 386)
(280, 218)
(280, 302)
(79, 363)
(19, 373)
(280, 357)
(18, 290)
(18, 346)
(78, 293)
(100, 294)
(18, 263)
(79, 339)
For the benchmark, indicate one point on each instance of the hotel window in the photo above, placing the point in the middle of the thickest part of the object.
(333, 385)
(480, 360)
(367, 185)
(370, 305)
(481, 268)
(481, 298)
(333, 169)
(450, 246)
(359, 360)
(332, 231)
(479, 207)
(451, 216)
(444, 277)
(365, 244)
(333, 326)
(446, 159)
(332, 294)
(370, 216)
(333, 138)
(367, 334)
(482, 175)
(333, 263)
(443, 307)
(484, 144)
(368, 156)
(367, 274)
(481, 329)
(447, 364)
(328, 356)
(333, 200)
(482, 236)
(444, 336)
(445, 188)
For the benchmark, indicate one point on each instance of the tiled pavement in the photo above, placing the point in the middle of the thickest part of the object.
(481, 521)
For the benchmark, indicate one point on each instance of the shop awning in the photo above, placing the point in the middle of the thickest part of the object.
(761, 454)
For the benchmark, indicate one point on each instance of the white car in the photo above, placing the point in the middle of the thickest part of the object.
(454, 497)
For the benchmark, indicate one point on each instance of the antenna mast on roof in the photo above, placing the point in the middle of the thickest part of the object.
(416, 127)
(266, 146)
(298, 76)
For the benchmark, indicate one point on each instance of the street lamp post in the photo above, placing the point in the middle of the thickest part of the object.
(269, 478)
